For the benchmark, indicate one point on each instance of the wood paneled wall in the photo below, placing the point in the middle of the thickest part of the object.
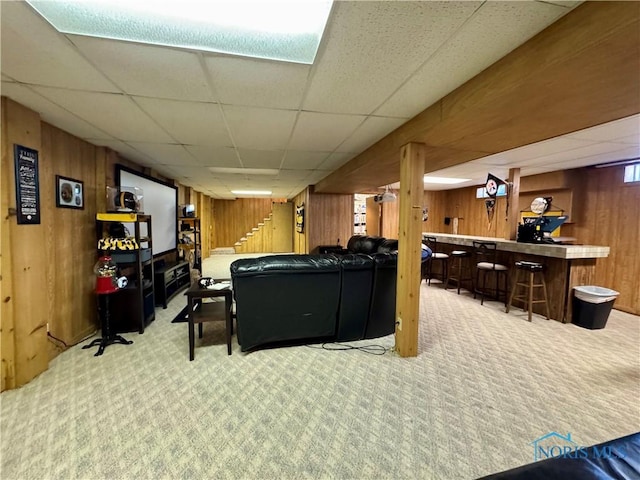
(300, 239)
(602, 211)
(232, 219)
(330, 220)
(24, 261)
(71, 240)
(52, 263)
(611, 218)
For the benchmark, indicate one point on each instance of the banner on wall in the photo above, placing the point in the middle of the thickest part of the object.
(27, 185)
(300, 218)
(490, 204)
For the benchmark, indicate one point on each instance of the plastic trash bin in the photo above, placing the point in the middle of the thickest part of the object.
(592, 306)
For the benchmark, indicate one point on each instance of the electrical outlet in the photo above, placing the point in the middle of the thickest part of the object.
(399, 323)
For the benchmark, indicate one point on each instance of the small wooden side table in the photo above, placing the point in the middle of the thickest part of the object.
(200, 312)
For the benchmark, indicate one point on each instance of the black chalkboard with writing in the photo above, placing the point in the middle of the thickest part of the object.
(27, 186)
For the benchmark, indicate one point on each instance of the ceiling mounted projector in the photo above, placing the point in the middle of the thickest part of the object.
(385, 197)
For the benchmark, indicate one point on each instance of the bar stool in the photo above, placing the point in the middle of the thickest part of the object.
(459, 264)
(436, 256)
(486, 256)
(528, 270)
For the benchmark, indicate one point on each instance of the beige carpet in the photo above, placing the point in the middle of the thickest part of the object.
(485, 385)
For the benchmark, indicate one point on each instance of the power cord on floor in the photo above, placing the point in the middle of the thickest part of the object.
(64, 344)
(370, 349)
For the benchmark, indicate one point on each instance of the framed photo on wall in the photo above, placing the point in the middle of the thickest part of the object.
(69, 193)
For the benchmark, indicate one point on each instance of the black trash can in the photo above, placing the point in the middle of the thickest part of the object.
(592, 306)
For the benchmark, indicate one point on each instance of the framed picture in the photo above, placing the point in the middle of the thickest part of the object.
(69, 193)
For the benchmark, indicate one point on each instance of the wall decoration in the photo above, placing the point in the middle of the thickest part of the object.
(425, 214)
(69, 193)
(27, 185)
(490, 204)
(300, 218)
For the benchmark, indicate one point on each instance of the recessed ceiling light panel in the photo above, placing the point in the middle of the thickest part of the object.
(445, 180)
(286, 31)
(251, 192)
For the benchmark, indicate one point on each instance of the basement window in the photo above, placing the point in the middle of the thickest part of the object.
(481, 192)
(632, 173)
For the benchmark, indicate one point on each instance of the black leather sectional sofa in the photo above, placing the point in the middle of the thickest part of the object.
(285, 299)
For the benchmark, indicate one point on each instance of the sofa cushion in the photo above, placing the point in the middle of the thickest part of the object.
(382, 312)
(364, 244)
(285, 298)
(355, 296)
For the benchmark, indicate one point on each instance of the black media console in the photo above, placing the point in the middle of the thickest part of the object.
(169, 280)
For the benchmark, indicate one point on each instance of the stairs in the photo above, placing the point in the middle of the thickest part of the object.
(258, 240)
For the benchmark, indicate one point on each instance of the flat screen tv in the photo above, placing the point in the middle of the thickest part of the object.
(160, 200)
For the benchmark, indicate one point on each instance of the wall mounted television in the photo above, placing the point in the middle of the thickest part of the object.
(161, 202)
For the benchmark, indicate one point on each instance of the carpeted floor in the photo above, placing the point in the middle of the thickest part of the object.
(484, 386)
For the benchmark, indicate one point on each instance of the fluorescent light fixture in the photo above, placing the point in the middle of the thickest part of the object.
(251, 192)
(286, 31)
(245, 171)
(445, 180)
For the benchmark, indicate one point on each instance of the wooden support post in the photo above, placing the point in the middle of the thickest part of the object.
(412, 161)
(513, 198)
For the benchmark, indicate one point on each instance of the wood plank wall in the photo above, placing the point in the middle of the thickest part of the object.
(330, 220)
(602, 209)
(53, 262)
(232, 219)
(70, 242)
(611, 218)
(300, 239)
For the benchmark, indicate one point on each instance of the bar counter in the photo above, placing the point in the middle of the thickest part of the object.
(565, 265)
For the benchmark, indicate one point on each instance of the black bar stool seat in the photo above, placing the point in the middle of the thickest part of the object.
(486, 255)
(525, 277)
(436, 256)
(458, 266)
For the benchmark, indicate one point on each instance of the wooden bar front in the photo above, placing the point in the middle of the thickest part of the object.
(565, 265)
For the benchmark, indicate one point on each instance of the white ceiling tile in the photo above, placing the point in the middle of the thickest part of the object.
(629, 139)
(52, 113)
(191, 123)
(261, 158)
(369, 132)
(148, 70)
(629, 126)
(165, 154)
(304, 160)
(493, 31)
(260, 83)
(259, 128)
(323, 131)
(362, 48)
(115, 114)
(335, 160)
(527, 153)
(295, 175)
(34, 52)
(215, 156)
(125, 150)
(558, 159)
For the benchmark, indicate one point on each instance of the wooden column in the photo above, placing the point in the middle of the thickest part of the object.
(514, 210)
(412, 161)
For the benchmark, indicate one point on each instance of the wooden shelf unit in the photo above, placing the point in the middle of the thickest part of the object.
(170, 280)
(133, 307)
(194, 244)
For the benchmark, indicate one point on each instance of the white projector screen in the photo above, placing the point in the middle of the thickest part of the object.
(160, 200)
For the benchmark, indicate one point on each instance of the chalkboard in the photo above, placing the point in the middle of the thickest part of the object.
(27, 186)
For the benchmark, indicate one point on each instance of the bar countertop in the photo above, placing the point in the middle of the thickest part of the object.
(542, 249)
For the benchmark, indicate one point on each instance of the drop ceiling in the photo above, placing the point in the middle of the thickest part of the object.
(180, 112)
